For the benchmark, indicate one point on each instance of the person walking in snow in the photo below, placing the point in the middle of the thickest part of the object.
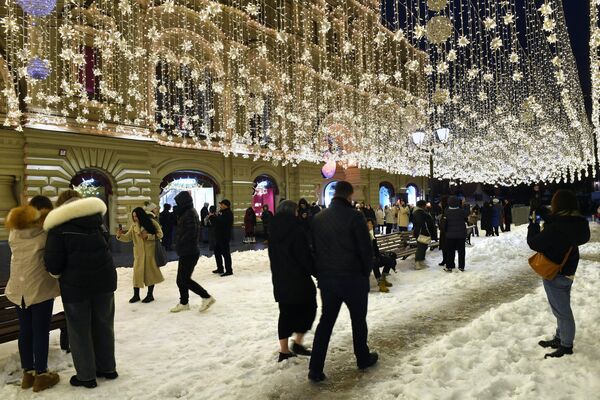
(186, 243)
(423, 225)
(223, 227)
(564, 230)
(143, 233)
(344, 260)
(292, 265)
(32, 290)
(77, 252)
(455, 229)
(249, 225)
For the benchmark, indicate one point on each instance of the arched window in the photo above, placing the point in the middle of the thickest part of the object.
(265, 193)
(202, 187)
(412, 192)
(94, 183)
(386, 194)
(329, 192)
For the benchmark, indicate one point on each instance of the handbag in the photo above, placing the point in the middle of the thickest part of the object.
(424, 239)
(160, 254)
(545, 267)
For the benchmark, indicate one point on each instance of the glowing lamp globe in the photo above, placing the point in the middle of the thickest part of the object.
(38, 68)
(418, 137)
(37, 8)
(328, 170)
(443, 134)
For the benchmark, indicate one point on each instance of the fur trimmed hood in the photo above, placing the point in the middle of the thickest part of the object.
(76, 209)
(25, 217)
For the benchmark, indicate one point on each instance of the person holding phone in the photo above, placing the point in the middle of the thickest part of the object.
(144, 233)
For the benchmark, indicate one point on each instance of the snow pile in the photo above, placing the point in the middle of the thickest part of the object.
(230, 351)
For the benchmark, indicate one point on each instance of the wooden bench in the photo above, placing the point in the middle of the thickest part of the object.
(403, 244)
(9, 321)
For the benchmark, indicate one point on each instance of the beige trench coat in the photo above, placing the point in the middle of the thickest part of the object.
(145, 270)
(29, 281)
(403, 216)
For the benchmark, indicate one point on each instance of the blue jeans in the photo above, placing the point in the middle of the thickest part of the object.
(354, 292)
(558, 291)
(34, 335)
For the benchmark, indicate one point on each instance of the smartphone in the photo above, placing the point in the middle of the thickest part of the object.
(538, 218)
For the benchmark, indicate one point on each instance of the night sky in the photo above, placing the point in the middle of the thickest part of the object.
(578, 24)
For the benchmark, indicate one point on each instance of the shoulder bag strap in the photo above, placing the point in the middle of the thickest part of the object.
(566, 258)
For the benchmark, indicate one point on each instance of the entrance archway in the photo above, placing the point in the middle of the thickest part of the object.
(329, 192)
(266, 192)
(95, 183)
(412, 192)
(386, 194)
(201, 186)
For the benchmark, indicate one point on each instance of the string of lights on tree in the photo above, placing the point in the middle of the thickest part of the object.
(488, 89)
(595, 68)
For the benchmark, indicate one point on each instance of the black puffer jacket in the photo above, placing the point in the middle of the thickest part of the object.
(423, 223)
(291, 261)
(341, 241)
(77, 250)
(560, 233)
(188, 225)
(455, 225)
(223, 226)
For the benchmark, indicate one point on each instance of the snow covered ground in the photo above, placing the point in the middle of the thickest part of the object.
(469, 335)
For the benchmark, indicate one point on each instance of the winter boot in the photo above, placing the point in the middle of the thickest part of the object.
(419, 265)
(382, 287)
(300, 350)
(285, 356)
(107, 375)
(206, 303)
(316, 377)
(136, 296)
(561, 351)
(45, 381)
(218, 271)
(373, 357)
(28, 378)
(446, 269)
(384, 278)
(88, 384)
(553, 343)
(180, 307)
(150, 295)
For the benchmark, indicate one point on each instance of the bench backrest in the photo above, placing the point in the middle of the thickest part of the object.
(8, 310)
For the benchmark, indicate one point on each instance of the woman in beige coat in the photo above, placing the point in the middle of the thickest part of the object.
(144, 233)
(33, 290)
(403, 216)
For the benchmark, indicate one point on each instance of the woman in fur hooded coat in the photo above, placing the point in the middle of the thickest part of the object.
(33, 290)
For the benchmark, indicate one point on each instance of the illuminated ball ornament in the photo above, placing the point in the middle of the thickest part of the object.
(37, 8)
(38, 69)
(328, 170)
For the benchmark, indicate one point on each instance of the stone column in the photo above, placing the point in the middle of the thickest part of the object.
(7, 201)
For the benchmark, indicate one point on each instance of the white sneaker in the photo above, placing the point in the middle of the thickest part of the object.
(180, 307)
(206, 303)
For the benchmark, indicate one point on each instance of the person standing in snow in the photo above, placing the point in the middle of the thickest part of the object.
(380, 219)
(390, 218)
(77, 252)
(403, 216)
(496, 216)
(486, 219)
(292, 265)
(564, 230)
(423, 224)
(143, 233)
(249, 225)
(32, 290)
(204, 211)
(210, 223)
(186, 243)
(344, 260)
(223, 227)
(507, 211)
(266, 218)
(455, 229)
(167, 224)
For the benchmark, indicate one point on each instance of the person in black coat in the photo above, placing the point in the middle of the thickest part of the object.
(423, 224)
(77, 253)
(291, 267)
(266, 218)
(507, 215)
(564, 230)
(186, 242)
(344, 260)
(455, 227)
(486, 219)
(223, 226)
(379, 261)
(167, 224)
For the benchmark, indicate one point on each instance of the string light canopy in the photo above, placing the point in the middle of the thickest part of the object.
(595, 68)
(313, 81)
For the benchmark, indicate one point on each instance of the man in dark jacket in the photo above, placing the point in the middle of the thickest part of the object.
(455, 228)
(423, 224)
(204, 231)
(186, 243)
(223, 227)
(344, 260)
(266, 218)
(507, 215)
(77, 254)
(167, 223)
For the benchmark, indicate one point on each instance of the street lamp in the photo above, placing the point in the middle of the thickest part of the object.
(443, 134)
(418, 137)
